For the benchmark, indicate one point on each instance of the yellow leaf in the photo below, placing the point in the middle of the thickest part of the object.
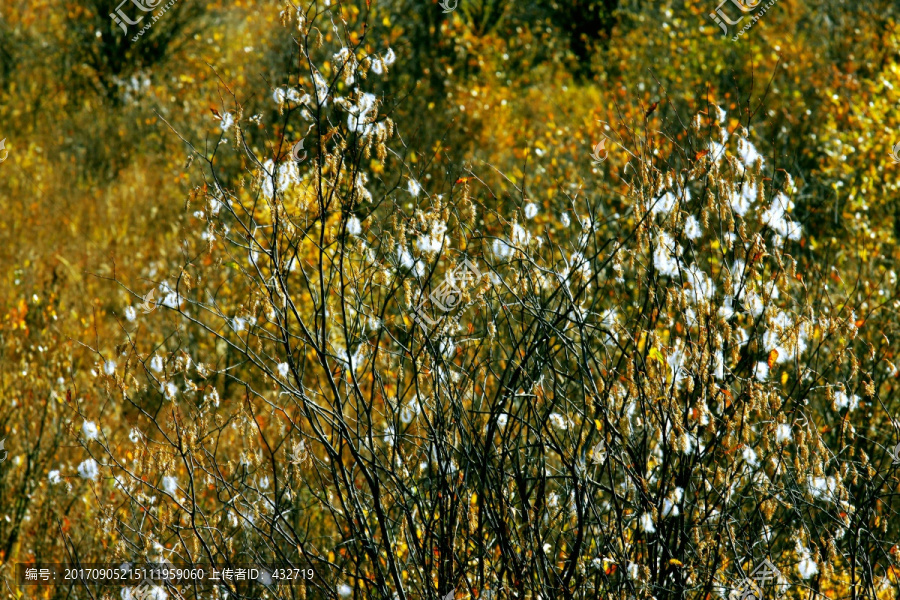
(655, 354)
(773, 356)
(599, 426)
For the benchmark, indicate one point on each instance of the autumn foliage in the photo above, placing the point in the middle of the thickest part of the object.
(452, 345)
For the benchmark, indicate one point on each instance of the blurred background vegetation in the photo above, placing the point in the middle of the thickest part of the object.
(96, 179)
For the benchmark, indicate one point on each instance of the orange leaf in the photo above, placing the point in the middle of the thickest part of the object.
(773, 356)
(730, 450)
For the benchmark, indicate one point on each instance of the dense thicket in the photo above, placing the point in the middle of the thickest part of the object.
(452, 344)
